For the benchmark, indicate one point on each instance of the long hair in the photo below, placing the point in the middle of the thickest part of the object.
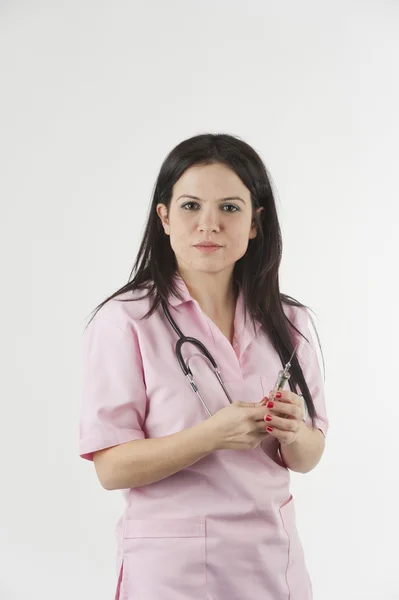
(256, 273)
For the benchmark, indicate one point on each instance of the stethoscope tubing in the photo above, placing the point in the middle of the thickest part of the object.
(185, 367)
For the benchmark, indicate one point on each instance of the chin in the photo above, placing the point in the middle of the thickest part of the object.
(206, 264)
(211, 269)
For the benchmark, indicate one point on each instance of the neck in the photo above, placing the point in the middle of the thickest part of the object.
(214, 292)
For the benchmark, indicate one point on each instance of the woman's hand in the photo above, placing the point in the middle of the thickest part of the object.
(284, 418)
(238, 426)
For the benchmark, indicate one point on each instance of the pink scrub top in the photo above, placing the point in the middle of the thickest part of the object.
(223, 528)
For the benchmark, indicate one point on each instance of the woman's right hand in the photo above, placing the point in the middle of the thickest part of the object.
(239, 426)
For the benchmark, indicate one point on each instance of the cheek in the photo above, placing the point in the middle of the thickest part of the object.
(178, 229)
(181, 224)
(239, 239)
(240, 248)
(179, 238)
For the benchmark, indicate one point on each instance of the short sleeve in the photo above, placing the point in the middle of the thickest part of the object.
(113, 390)
(311, 367)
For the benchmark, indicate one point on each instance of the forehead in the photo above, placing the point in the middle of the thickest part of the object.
(210, 182)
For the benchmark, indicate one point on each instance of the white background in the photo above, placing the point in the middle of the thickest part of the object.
(93, 96)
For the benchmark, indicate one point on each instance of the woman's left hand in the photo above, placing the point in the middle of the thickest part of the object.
(285, 417)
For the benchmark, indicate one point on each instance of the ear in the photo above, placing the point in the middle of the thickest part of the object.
(162, 213)
(254, 228)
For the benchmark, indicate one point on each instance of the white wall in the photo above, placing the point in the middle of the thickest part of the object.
(93, 96)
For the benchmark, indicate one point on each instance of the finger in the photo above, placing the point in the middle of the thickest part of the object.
(281, 423)
(273, 408)
(257, 410)
(286, 396)
(259, 413)
(283, 436)
(284, 408)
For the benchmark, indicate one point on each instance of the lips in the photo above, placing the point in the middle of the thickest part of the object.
(207, 247)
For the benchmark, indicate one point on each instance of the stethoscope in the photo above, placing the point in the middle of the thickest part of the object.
(282, 377)
(204, 354)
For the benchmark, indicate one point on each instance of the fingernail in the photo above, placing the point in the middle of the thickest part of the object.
(270, 404)
(268, 428)
(268, 418)
(278, 395)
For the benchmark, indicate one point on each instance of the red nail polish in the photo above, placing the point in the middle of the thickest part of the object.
(268, 428)
(278, 395)
(268, 418)
(270, 404)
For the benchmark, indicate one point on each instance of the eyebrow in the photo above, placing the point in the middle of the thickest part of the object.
(220, 200)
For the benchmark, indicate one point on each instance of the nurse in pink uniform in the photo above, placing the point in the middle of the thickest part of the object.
(209, 514)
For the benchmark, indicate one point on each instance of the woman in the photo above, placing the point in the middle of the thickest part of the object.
(209, 514)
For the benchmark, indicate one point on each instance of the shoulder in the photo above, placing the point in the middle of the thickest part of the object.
(125, 309)
(295, 312)
(298, 316)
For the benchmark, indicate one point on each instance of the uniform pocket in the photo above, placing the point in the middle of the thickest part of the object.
(247, 390)
(297, 576)
(164, 558)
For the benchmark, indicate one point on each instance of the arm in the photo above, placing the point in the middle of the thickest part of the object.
(304, 453)
(141, 462)
(237, 426)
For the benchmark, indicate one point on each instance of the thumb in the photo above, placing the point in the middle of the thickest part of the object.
(253, 404)
(247, 404)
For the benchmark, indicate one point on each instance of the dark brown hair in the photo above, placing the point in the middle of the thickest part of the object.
(256, 273)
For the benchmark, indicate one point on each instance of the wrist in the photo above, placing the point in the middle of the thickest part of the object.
(209, 437)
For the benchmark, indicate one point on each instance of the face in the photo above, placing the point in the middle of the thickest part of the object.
(210, 204)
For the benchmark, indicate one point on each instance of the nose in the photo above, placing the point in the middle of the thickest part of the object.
(208, 221)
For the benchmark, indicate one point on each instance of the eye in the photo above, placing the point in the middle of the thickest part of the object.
(190, 206)
(230, 208)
